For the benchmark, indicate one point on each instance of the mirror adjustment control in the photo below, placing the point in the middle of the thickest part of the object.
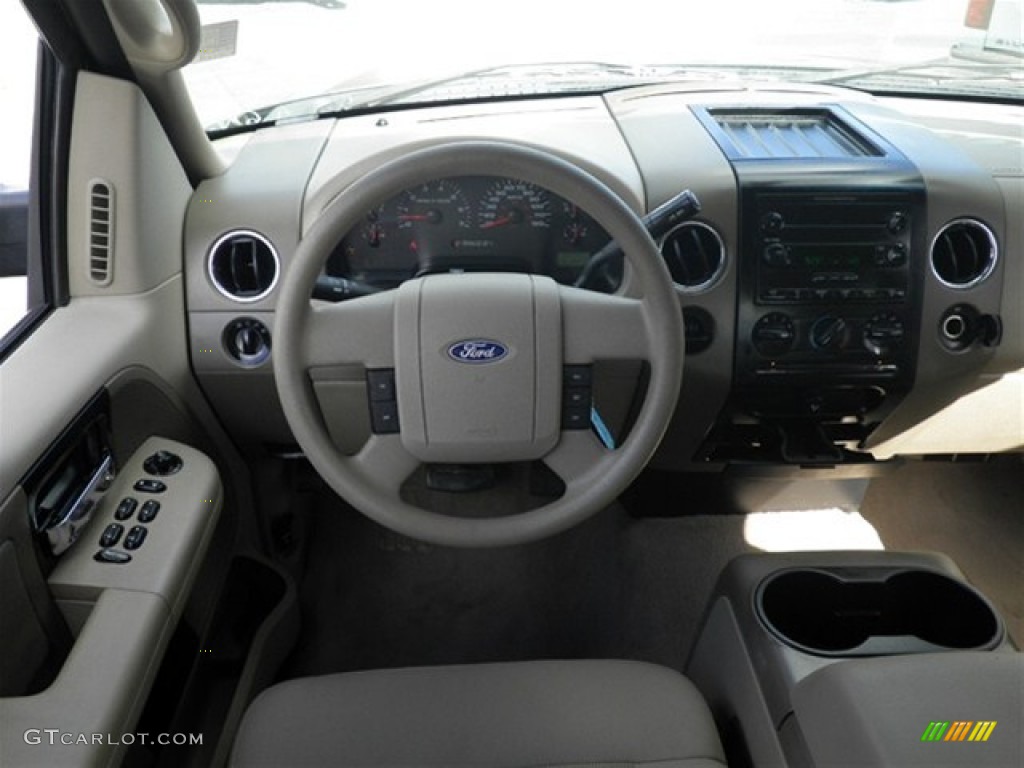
(135, 537)
(147, 485)
(148, 512)
(116, 556)
(111, 535)
(163, 463)
(126, 508)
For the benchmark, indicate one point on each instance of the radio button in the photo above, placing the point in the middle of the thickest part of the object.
(772, 222)
(897, 223)
(777, 255)
(893, 255)
(779, 294)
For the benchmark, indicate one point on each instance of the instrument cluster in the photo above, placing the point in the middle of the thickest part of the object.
(468, 224)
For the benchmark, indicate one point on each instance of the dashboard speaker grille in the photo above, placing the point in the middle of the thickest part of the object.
(694, 254)
(101, 232)
(964, 253)
(244, 266)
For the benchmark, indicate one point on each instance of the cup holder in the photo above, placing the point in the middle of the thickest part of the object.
(875, 611)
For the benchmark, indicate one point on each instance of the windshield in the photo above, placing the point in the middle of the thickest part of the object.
(291, 59)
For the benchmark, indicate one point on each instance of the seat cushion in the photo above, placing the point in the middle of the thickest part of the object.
(546, 713)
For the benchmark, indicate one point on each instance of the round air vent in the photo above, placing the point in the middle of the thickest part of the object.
(695, 255)
(244, 266)
(964, 253)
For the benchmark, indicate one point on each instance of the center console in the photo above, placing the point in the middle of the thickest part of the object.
(856, 658)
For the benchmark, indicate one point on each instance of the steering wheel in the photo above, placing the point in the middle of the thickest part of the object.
(477, 359)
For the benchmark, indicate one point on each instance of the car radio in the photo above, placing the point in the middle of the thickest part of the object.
(839, 250)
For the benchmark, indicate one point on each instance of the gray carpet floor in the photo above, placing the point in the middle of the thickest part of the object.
(615, 586)
(612, 587)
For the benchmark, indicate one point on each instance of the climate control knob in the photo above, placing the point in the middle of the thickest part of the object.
(828, 333)
(883, 333)
(774, 334)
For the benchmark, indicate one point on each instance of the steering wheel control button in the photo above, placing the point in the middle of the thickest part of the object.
(126, 508)
(116, 556)
(135, 537)
(381, 385)
(163, 463)
(384, 417)
(148, 485)
(111, 535)
(576, 418)
(577, 376)
(149, 510)
(576, 396)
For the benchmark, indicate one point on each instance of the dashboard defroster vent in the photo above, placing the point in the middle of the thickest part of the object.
(101, 232)
(964, 253)
(694, 254)
(804, 134)
(244, 266)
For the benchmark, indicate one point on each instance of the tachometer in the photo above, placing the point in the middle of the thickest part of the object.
(514, 203)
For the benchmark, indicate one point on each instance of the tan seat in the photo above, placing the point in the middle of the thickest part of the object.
(547, 713)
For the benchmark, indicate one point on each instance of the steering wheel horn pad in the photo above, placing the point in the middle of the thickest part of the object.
(478, 362)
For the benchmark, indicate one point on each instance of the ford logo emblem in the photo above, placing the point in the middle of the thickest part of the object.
(477, 351)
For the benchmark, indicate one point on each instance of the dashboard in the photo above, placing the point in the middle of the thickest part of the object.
(851, 276)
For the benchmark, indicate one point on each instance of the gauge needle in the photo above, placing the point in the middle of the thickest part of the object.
(433, 216)
(498, 222)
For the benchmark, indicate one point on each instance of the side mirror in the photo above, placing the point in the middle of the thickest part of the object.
(13, 231)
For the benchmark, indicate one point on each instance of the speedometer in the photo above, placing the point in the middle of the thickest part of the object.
(513, 203)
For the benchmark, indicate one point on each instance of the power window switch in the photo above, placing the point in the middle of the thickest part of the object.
(135, 537)
(111, 535)
(126, 508)
(148, 512)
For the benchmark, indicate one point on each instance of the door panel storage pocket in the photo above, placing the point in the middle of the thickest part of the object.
(875, 610)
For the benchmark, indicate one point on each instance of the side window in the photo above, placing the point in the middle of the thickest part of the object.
(19, 43)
